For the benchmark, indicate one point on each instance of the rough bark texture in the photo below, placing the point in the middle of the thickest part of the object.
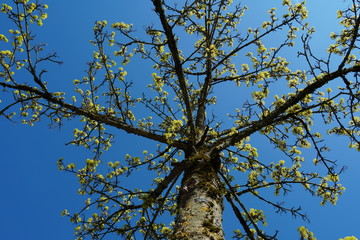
(200, 204)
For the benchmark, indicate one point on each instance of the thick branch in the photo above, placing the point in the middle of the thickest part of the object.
(200, 117)
(174, 174)
(108, 120)
(178, 66)
(269, 119)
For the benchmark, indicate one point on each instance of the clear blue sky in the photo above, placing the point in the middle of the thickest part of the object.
(33, 191)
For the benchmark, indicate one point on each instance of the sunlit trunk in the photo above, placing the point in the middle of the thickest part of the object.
(200, 204)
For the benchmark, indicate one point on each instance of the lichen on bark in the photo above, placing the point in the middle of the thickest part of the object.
(200, 204)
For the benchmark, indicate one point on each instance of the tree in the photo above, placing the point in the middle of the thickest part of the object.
(211, 157)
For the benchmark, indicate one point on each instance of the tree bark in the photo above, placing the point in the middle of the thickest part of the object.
(200, 204)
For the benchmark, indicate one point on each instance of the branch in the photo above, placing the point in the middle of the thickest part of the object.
(178, 65)
(238, 214)
(173, 179)
(108, 120)
(174, 174)
(352, 43)
(200, 117)
(294, 212)
(240, 217)
(227, 141)
(237, 49)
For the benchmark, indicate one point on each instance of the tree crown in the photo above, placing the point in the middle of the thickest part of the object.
(198, 51)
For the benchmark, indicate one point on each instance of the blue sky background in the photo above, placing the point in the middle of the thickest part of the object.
(33, 191)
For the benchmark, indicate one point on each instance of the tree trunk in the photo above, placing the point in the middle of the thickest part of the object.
(200, 204)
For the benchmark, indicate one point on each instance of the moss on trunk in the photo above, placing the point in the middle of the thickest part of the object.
(200, 204)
